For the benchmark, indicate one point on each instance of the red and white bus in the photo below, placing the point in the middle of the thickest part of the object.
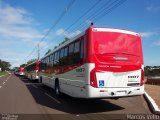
(98, 63)
(21, 71)
(32, 70)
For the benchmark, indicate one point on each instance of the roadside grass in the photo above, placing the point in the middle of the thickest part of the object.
(3, 73)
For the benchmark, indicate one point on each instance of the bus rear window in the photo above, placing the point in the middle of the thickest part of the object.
(109, 42)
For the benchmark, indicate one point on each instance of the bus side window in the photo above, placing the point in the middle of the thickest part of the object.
(47, 62)
(55, 58)
(65, 58)
(70, 56)
(82, 49)
(76, 56)
(43, 64)
(50, 61)
(58, 54)
(61, 57)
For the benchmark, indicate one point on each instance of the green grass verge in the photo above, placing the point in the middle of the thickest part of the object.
(3, 73)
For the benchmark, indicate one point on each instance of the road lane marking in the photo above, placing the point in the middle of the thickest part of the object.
(9, 77)
(5, 81)
(53, 98)
(35, 86)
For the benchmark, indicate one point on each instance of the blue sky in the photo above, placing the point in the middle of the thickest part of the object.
(23, 23)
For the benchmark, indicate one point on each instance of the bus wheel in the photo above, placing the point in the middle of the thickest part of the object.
(57, 90)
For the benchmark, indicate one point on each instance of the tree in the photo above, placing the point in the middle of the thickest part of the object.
(30, 61)
(48, 51)
(4, 65)
(23, 65)
(152, 71)
(66, 39)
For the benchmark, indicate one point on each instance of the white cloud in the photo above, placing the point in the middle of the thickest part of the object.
(153, 8)
(147, 34)
(18, 34)
(62, 32)
(74, 33)
(11, 15)
(88, 22)
(41, 44)
(17, 23)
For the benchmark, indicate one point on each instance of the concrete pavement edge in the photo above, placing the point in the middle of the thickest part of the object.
(154, 107)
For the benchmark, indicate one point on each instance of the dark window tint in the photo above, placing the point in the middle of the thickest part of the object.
(77, 47)
(62, 53)
(55, 57)
(71, 48)
(82, 49)
(65, 51)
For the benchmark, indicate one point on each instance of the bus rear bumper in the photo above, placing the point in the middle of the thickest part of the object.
(114, 92)
(21, 74)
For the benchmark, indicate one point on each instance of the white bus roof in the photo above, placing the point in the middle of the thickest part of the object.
(115, 30)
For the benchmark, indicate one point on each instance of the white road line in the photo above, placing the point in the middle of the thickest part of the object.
(9, 77)
(153, 104)
(53, 98)
(5, 81)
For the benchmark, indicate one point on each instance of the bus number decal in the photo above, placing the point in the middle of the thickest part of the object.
(80, 70)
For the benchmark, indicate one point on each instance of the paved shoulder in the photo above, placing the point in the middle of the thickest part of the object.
(16, 98)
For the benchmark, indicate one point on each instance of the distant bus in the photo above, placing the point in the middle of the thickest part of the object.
(98, 63)
(32, 70)
(20, 71)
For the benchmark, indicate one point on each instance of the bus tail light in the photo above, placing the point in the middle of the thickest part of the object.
(93, 79)
(142, 77)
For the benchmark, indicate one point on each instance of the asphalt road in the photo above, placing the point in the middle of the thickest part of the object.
(19, 96)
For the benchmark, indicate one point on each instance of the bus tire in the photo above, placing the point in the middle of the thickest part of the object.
(57, 88)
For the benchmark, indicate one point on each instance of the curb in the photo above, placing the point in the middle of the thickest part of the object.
(152, 104)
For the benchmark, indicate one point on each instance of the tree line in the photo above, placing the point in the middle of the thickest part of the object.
(5, 66)
(152, 71)
(29, 62)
